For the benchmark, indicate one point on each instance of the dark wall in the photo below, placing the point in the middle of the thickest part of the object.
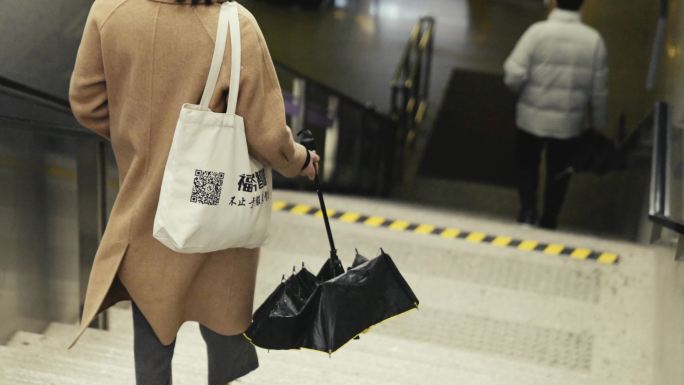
(38, 41)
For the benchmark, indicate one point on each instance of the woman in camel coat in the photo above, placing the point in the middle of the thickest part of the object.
(139, 61)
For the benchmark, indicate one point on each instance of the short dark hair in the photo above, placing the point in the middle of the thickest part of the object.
(572, 5)
(206, 2)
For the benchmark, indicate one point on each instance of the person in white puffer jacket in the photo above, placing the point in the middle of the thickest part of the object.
(559, 67)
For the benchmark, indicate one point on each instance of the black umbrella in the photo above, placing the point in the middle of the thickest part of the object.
(596, 154)
(325, 311)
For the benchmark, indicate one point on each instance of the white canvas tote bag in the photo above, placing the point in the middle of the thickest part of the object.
(214, 196)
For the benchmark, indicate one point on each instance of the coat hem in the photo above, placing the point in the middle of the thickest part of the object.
(85, 322)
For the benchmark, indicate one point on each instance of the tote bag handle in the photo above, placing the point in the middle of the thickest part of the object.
(228, 18)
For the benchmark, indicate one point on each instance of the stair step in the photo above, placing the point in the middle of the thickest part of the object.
(49, 366)
(106, 358)
(25, 338)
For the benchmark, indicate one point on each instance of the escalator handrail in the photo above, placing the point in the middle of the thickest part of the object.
(418, 33)
(658, 202)
(410, 83)
(45, 99)
(63, 105)
(48, 128)
(53, 101)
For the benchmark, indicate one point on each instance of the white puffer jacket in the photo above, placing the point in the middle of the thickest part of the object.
(560, 68)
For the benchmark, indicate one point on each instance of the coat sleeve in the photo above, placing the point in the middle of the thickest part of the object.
(516, 67)
(599, 97)
(262, 106)
(88, 89)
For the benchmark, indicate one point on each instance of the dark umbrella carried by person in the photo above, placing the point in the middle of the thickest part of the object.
(599, 155)
(325, 311)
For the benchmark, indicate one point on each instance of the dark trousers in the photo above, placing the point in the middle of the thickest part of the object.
(230, 357)
(559, 153)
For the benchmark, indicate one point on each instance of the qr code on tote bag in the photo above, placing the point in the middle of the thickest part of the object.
(206, 187)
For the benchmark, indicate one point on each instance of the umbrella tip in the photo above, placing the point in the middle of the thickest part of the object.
(357, 251)
(283, 280)
(294, 269)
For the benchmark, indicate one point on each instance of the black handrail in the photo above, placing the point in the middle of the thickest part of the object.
(410, 88)
(659, 211)
(37, 97)
(46, 128)
(63, 104)
(410, 83)
(35, 94)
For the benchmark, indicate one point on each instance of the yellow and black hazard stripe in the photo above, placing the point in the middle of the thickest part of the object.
(576, 253)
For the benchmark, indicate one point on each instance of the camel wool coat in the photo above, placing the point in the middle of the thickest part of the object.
(139, 61)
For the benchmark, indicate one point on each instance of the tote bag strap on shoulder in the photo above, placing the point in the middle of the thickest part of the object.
(228, 18)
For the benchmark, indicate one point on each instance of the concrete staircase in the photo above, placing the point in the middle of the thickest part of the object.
(105, 357)
(379, 358)
(488, 315)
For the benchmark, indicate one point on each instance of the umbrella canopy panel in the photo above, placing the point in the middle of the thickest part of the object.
(335, 311)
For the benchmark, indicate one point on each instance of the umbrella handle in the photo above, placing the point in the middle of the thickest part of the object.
(324, 211)
(308, 141)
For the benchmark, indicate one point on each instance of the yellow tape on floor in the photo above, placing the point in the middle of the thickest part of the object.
(501, 241)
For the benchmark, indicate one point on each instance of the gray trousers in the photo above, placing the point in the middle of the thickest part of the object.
(229, 357)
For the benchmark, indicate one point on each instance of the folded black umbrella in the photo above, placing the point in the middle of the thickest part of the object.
(596, 154)
(325, 311)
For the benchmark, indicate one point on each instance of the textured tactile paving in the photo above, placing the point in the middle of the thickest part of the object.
(542, 346)
(564, 282)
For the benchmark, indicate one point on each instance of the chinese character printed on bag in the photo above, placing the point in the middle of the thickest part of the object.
(252, 183)
(247, 183)
(261, 178)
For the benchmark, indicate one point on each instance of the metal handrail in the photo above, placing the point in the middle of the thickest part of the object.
(35, 95)
(63, 105)
(413, 70)
(659, 210)
(43, 99)
(396, 78)
(410, 87)
(46, 128)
